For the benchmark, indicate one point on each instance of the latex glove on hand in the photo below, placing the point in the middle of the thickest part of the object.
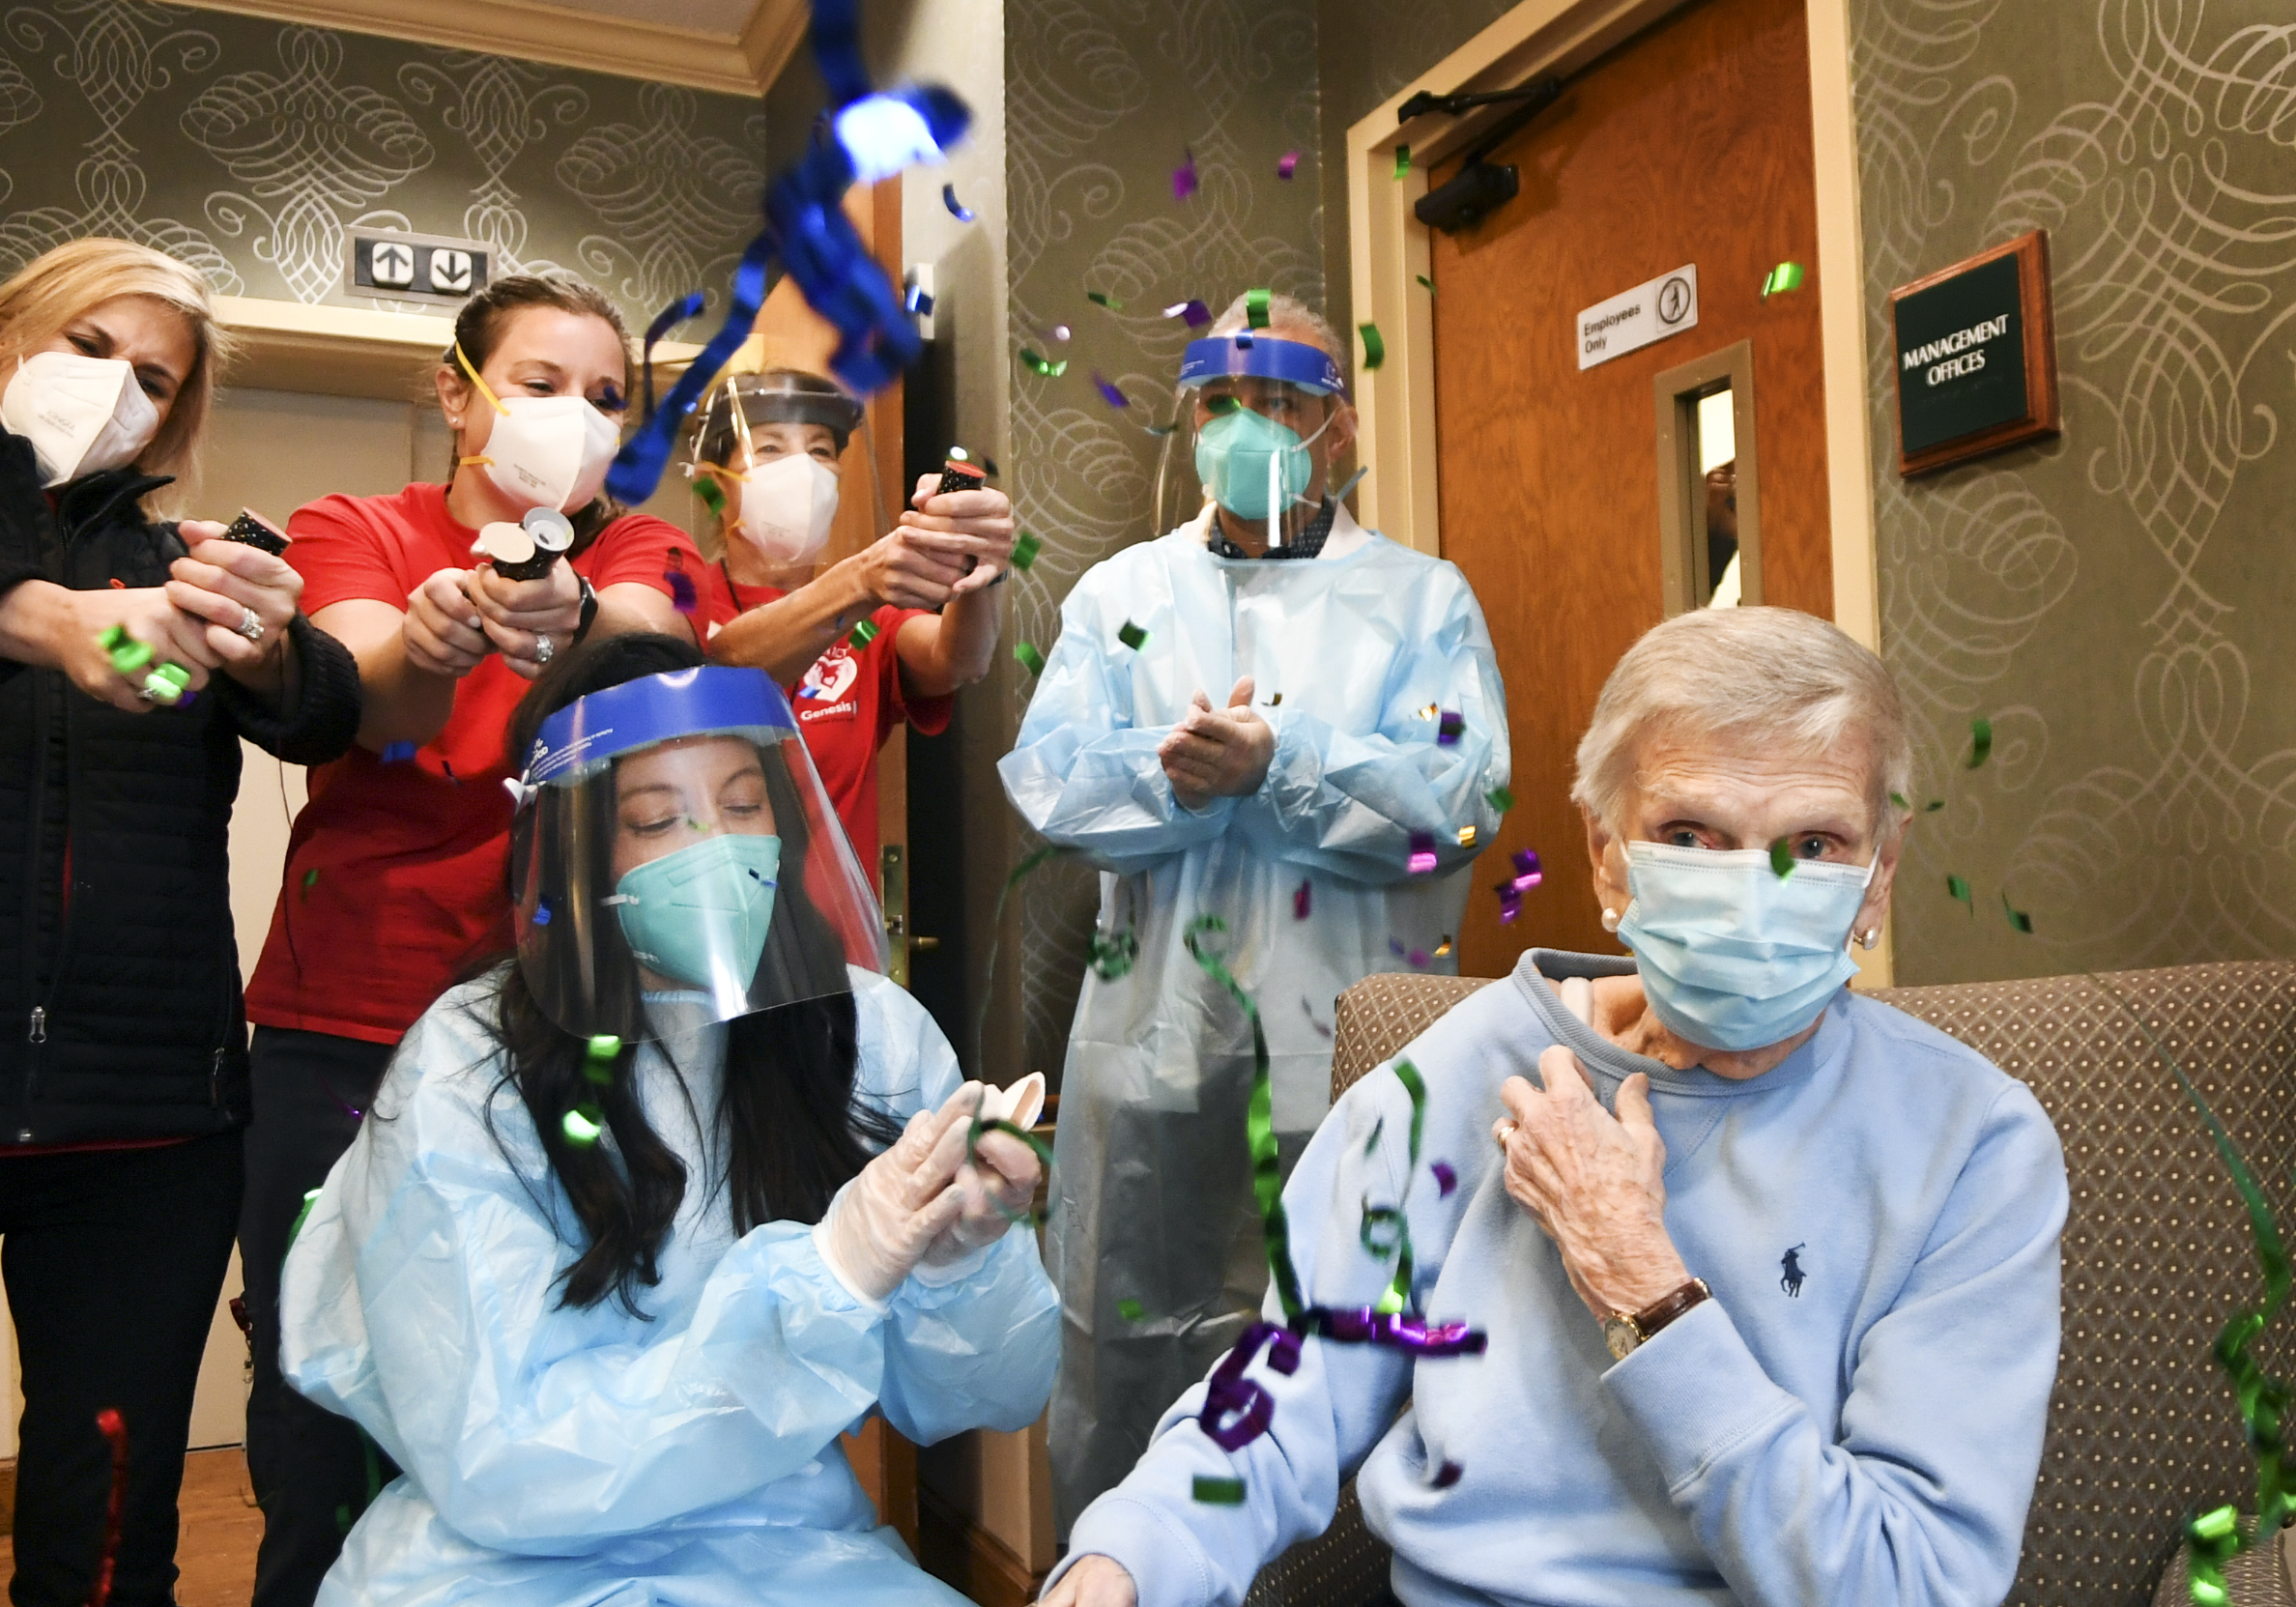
(999, 1187)
(879, 1225)
(1217, 753)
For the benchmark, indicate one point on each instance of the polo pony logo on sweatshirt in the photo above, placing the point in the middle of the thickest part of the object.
(1791, 1268)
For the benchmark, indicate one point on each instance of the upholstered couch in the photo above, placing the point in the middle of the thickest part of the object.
(2157, 1251)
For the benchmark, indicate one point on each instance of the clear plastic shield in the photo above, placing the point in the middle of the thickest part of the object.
(769, 455)
(676, 856)
(1251, 409)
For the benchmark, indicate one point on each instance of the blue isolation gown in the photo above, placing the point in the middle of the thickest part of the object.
(1356, 655)
(557, 1456)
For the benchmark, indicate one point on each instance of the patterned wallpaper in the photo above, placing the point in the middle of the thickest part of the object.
(248, 148)
(2119, 602)
(1103, 98)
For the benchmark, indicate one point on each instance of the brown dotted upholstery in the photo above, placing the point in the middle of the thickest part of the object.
(2157, 1252)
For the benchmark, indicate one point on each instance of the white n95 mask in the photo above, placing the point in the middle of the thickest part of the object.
(788, 505)
(549, 451)
(82, 415)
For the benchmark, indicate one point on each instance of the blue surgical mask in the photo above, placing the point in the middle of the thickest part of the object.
(1244, 458)
(1733, 956)
(700, 915)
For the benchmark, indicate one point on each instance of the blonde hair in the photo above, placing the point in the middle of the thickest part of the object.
(73, 278)
(1768, 674)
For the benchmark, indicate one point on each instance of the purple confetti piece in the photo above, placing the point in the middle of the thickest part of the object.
(542, 914)
(1114, 397)
(956, 209)
(1193, 311)
(1419, 957)
(1184, 179)
(682, 595)
(1288, 165)
(1528, 873)
(1423, 853)
(398, 753)
(1446, 1179)
(1302, 899)
(1395, 948)
(1308, 1009)
(1449, 729)
(1447, 1475)
(1510, 904)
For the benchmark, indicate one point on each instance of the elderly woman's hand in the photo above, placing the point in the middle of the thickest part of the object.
(1096, 1581)
(1595, 1181)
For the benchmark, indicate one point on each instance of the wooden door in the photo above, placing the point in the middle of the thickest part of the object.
(1690, 143)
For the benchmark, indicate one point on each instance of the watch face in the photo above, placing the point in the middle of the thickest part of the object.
(1617, 1333)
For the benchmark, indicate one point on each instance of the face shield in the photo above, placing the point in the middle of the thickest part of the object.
(1253, 409)
(676, 859)
(768, 459)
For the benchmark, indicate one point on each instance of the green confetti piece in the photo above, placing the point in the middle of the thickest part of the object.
(1980, 741)
(1219, 1492)
(1374, 347)
(2018, 918)
(1131, 636)
(1030, 659)
(1782, 858)
(1256, 307)
(1899, 800)
(1402, 161)
(1500, 799)
(1219, 406)
(1423, 280)
(1130, 1311)
(863, 634)
(310, 1199)
(1378, 1131)
(1932, 806)
(579, 1129)
(1024, 552)
(712, 494)
(1108, 302)
(1959, 889)
(1049, 369)
(1786, 275)
(309, 877)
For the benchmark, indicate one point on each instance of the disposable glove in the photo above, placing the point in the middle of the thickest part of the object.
(998, 1188)
(879, 1223)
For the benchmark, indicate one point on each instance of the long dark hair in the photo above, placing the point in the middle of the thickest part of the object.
(794, 1133)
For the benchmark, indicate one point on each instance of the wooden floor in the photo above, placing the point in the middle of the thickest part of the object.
(220, 1528)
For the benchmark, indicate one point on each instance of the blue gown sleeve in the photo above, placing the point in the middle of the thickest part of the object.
(1081, 775)
(1350, 804)
(1328, 1415)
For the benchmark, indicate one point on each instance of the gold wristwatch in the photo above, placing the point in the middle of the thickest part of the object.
(1623, 1330)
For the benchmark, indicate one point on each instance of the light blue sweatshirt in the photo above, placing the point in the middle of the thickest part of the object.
(1855, 1417)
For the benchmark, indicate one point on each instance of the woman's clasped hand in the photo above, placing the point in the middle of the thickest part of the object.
(457, 617)
(934, 1198)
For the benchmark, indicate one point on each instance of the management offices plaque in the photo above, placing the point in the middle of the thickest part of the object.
(1975, 349)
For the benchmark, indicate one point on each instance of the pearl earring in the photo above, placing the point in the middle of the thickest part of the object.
(1610, 920)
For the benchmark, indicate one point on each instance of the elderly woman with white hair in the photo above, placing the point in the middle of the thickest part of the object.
(1767, 1272)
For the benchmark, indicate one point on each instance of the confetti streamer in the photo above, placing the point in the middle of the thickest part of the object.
(1288, 165)
(1044, 366)
(114, 1429)
(1402, 161)
(2018, 918)
(1113, 954)
(1184, 178)
(1423, 853)
(1959, 889)
(1100, 299)
(1255, 306)
(1021, 872)
(1030, 659)
(398, 753)
(1024, 552)
(668, 318)
(1131, 636)
(1449, 726)
(1781, 859)
(1194, 312)
(1114, 397)
(582, 1124)
(1303, 898)
(1128, 1310)
(1980, 741)
(1447, 1178)
(956, 209)
(1219, 1492)
(1500, 799)
(863, 633)
(1786, 275)
(1374, 347)
(1031, 1217)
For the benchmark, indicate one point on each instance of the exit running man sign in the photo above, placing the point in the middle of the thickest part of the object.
(1975, 356)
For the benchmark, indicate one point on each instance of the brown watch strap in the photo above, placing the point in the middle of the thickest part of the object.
(1658, 1314)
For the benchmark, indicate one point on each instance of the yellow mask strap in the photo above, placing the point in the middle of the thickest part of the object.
(485, 391)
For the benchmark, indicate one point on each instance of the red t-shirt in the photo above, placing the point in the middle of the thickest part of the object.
(847, 705)
(397, 873)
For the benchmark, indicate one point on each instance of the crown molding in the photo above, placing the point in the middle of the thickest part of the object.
(625, 47)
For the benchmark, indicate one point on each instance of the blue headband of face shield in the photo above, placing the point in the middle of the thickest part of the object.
(1261, 357)
(589, 732)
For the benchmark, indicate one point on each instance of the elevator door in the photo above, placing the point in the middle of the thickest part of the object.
(1689, 144)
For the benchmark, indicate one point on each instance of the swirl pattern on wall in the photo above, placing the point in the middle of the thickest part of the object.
(2114, 600)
